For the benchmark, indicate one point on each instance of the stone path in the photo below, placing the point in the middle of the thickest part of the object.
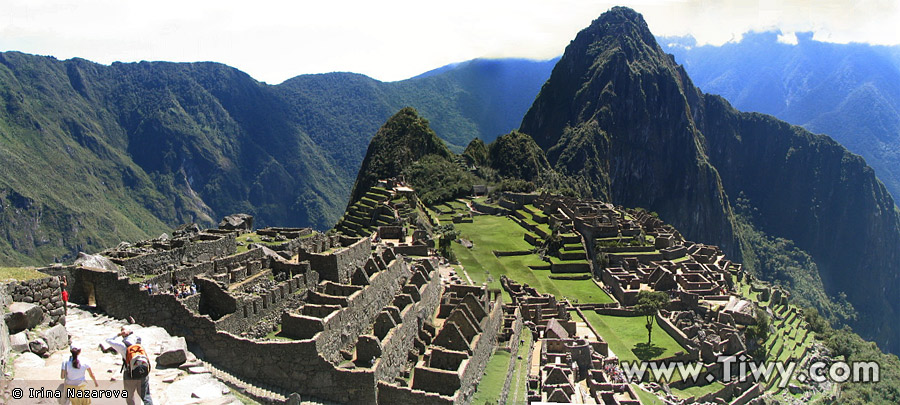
(191, 384)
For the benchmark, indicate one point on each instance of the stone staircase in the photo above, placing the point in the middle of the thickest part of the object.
(260, 393)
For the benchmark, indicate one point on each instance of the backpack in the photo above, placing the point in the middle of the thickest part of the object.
(137, 362)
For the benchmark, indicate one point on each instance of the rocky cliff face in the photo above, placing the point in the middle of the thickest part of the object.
(620, 114)
(615, 113)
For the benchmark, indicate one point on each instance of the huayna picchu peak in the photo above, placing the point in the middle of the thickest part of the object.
(631, 226)
(620, 115)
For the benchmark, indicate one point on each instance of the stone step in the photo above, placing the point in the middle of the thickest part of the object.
(262, 394)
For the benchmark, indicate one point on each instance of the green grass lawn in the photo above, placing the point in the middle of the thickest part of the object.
(625, 333)
(646, 397)
(252, 237)
(490, 233)
(491, 383)
(698, 390)
(20, 273)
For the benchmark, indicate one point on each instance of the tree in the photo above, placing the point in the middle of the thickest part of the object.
(448, 234)
(756, 335)
(648, 304)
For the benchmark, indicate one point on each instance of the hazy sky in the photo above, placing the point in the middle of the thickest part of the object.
(392, 40)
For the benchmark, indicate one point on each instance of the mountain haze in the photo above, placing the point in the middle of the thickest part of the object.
(619, 115)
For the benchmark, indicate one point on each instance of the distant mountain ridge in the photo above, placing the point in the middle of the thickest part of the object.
(95, 154)
(850, 92)
(624, 119)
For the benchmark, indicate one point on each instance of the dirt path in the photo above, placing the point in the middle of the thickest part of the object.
(89, 329)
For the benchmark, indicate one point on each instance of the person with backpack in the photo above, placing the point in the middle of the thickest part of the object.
(135, 366)
(73, 372)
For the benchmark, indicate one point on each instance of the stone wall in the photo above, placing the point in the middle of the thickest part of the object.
(513, 348)
(340, 265)
(673, 331)
(436, 379)
(344, 328)
(44, 292)
(414, 250)
(389, 393)
(196, 251)
(5, 299)
(481, 353)
(401, 338)
(253, 308)
(261, 362)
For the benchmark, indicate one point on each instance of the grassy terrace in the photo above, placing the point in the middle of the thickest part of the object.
(252, 237)
(491, 384)
(627, 337)
(490, 233)
(698, 390)
(646, 397)
(20, 273)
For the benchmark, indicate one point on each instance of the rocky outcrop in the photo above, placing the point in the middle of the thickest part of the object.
(23, 316)
(95, 261)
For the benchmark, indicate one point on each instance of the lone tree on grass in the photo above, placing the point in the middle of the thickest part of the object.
(648, 304)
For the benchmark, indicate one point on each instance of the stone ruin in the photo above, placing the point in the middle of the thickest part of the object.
(325, 317)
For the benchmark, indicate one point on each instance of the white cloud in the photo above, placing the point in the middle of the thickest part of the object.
(395, 39)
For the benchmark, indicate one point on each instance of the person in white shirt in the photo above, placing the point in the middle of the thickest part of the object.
(73, 372)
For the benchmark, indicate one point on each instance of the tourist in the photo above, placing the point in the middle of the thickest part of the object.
(121, 343)
(73, 373)
(63, 284)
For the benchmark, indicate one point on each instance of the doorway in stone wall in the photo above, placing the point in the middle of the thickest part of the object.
(89, 293)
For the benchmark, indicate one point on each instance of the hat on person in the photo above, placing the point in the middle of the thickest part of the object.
(75, 348)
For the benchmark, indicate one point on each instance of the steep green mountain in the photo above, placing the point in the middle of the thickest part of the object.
(480, 98)
(849, 91)
(404, 139)
(622, 116)
(95, 154)
(516, 155)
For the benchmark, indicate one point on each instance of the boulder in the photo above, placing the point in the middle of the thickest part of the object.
(39, 347)
(173, 354)
(189, 229)
(22, 316)
(239, 222)
(56, 337)
(95, 261)
(18, 342)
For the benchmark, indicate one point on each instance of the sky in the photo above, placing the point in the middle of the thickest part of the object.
(393, 40)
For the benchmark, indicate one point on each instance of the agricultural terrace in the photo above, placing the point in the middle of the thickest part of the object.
(497, 233)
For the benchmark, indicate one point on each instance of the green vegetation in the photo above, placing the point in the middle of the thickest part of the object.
(646, 397)
(780, 262)
(490, 233)
(491, 383)
(648, 304)
(516, 155)
(252, 237)
(437, 179)
(404, 139)
(626, 336)
(846, 343)
(20, 273)
(698, 390)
